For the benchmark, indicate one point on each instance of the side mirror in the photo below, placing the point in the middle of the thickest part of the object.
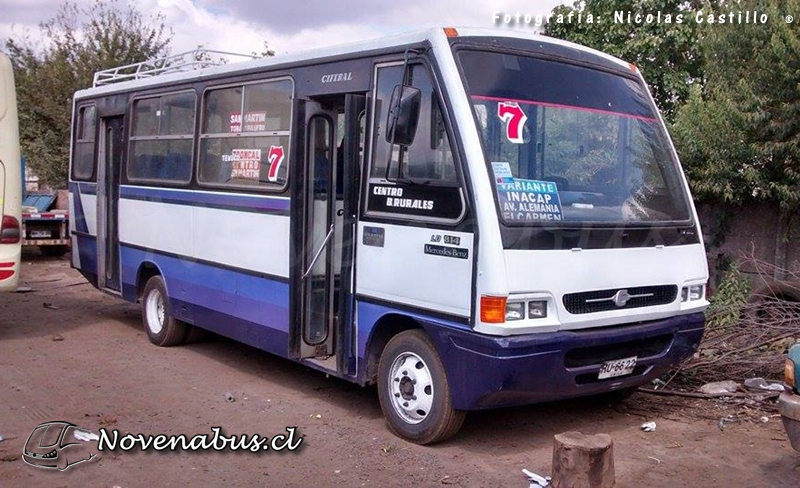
(401, 125)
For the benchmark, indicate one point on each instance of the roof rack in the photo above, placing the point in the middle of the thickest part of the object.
(191, 60)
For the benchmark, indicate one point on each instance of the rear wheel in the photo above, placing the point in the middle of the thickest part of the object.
(161, 327)
(414, 392)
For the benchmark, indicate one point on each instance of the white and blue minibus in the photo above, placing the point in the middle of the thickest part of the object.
(466, 218)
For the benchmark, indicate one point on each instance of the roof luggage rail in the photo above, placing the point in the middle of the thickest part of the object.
(191, 60)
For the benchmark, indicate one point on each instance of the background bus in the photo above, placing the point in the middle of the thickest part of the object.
(10, 180)
(412, 212)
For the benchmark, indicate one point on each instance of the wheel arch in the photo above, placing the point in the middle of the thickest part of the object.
(386, 327)
(147, 269)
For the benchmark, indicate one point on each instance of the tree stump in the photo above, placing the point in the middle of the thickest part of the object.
(582, 461)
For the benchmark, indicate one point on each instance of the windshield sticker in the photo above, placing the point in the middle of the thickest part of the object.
(514, 117)
(502, 172)
(275, 158)
(529, 201)
(253, 122)
(245, 163)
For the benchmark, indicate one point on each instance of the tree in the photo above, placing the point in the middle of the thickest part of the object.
(75, 44)
(739, 136)
(665, 49)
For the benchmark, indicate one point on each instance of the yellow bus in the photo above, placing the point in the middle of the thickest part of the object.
(10, 180)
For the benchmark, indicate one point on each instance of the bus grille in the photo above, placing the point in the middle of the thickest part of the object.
(619, 298)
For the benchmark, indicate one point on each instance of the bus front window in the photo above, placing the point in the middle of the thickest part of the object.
(569, 144)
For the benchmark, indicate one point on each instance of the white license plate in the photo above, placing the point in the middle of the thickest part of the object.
(620, 367)
(40, 233)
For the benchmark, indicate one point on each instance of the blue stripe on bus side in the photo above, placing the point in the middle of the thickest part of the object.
(76, 189)
(86, 188)
(87, 250)
(230, 201)
(209, 291)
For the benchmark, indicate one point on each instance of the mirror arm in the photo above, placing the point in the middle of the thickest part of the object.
(394, 111)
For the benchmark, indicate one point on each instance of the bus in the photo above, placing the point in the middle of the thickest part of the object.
(10, 180)
(465, 218)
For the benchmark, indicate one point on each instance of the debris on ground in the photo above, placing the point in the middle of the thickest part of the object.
(649, 426)
(536, 480)
(762, 384)
(58, 338)
(229, 397)
(719, 388)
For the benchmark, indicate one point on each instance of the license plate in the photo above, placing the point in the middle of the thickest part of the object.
(40, 233)
(620, 367)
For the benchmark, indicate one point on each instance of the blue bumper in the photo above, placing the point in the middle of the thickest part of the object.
(488, 371)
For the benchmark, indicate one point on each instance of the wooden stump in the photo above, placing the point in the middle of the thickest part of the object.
(583, 461)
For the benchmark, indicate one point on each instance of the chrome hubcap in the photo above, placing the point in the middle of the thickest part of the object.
(411, 388)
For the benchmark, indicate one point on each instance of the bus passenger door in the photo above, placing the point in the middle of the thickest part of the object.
(329, 200)
(319, 227)
(108, 180)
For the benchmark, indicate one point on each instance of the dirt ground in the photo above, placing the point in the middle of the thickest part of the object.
(69, 352)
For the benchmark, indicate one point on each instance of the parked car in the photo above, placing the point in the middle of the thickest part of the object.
(790, 400)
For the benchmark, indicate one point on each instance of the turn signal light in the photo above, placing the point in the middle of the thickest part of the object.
(450, 32)
(493, 310)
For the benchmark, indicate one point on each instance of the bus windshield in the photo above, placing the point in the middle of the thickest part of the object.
(569, 144)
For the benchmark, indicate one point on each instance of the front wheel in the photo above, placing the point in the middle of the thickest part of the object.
(414, 392)
(162, 328)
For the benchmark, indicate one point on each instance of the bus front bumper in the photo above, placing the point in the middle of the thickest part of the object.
(487, 371)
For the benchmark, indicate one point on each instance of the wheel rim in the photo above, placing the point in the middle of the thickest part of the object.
(154, 309)
(411, 388)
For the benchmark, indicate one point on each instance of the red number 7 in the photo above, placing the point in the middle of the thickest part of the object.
(514, 117)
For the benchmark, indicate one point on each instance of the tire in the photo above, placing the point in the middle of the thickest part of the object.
(162, 328)
(53, 251)
(414, 392)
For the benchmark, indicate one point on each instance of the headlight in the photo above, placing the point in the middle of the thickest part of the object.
(692, 293)
(515, 311)
(537, 309)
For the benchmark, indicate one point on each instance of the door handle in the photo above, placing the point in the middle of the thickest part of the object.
(319, 252)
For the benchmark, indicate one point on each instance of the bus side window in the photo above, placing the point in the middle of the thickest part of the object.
(244, 140)
(83, 159)
(162, 138)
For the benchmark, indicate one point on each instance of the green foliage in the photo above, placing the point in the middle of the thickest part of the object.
(739, 136)
(69, 49)
(668, 54)
(729, 299)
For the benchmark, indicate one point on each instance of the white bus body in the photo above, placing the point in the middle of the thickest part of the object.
(10, 180)
(470, 219)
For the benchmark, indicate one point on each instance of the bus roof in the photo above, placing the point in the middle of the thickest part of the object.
(434, 36)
